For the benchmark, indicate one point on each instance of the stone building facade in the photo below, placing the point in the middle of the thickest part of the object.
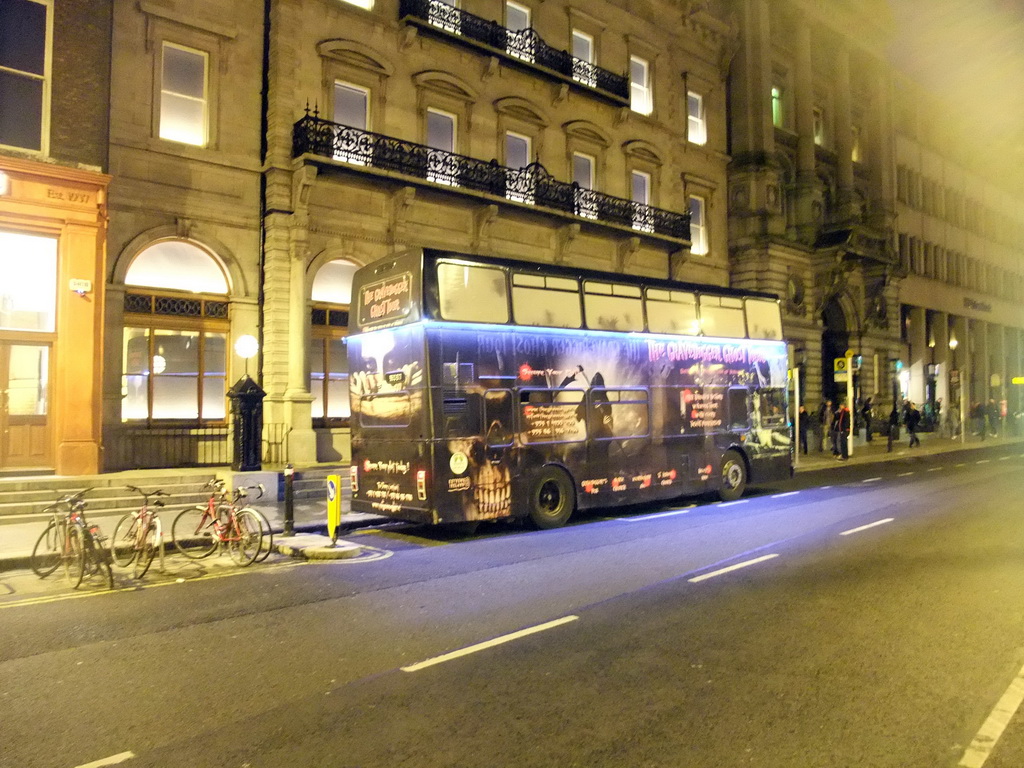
(258, 164)
(53, 218)
(811, 183)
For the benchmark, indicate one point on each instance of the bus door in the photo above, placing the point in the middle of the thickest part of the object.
(619, 432)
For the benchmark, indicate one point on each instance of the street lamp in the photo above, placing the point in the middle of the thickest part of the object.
(246, 347)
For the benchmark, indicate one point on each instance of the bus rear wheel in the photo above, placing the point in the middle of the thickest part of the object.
(552, 499)
(734, 476)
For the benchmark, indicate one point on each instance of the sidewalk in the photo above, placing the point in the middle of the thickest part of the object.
(866, 453)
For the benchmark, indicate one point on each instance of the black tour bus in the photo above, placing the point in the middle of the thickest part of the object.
(484, 388)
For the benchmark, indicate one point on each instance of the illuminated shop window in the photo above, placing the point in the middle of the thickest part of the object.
(28, 289)
(174, 349)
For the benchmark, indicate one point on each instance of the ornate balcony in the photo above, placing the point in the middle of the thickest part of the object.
(522, 47)
(531, 185)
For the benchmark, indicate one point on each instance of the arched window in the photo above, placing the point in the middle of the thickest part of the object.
(175, 335)
(328, 355)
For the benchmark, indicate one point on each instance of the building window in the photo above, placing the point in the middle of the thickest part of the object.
(778, 115)
(519, 42)
(441, 137)
(696, 124)
(28, 291)
(175, 340)
(583, 178)
(183, 95)
(640, 194)
(819, 126)
(583, 70)
(698, 228)
(24, 73)
(328, 355)
(641, 97)
(351, 105)
(519, 184)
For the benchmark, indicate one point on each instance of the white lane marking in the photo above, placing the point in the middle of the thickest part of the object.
(823, 487)
(112, 760)
(655, 515)
(736, 567)
(733, 503)
(983, 461)
(985, 740)
(784, 495)
(869, 525)
(904, 474)
(1004, 458)
(488, 644)
(935, 469)
(961, 464)
(871, 480)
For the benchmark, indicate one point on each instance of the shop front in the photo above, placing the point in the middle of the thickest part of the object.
(52, 245)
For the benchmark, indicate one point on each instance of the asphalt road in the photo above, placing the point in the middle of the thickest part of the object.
(876, 619)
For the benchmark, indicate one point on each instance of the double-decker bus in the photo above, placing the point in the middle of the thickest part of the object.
(485, 388)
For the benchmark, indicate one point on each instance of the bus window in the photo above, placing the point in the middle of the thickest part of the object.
(546, 300)
(764, 320)
(672, 312)
(473, 294)
(552, 416)
(612, 306)
(498, 417)
(618, 413)
(770, 408)
(722, 316)
(387, 410)
(461, 416)
(738, 408)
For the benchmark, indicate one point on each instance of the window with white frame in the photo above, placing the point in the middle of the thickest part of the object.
(698, 227)
(351, 109)
(25, 55)
(518, 21)
(519, 182)
(641, 98)
(696, 123)
(640, 194)
(583, 177)
(441, 136)
(184, 98)
(583, 69)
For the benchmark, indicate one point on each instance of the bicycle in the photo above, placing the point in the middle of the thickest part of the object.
(70, 542)
(200, 531)
(138, 534)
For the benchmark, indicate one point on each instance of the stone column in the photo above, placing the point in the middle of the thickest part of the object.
(808, 189)
(940, 356)
(845, 210)
(881, 151)
(917, 338)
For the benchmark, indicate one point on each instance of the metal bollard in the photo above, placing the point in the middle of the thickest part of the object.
(289, 500)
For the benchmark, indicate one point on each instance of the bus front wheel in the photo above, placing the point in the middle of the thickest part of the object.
(552, 499)
(734, 476)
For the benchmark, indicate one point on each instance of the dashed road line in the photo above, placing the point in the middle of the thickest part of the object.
(983, 461)
(1004, 458)
(871, 480)
(869, 525)
(905, 474)
(488, 644)
(655, 515)
(935, 469)
(733, 503)
(784, 495)
(729, 569)
(112, 760)
(988, 735)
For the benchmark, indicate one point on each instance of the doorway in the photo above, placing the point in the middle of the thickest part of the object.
(25, 425)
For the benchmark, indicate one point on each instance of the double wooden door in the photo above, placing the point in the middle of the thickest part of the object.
(25, 403)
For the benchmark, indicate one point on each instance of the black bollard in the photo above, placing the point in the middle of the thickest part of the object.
(289, 500)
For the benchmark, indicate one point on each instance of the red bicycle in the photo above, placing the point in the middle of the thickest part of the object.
(200, 531)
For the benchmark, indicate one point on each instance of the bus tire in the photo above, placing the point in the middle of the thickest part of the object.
(552, 499)
(734, 476)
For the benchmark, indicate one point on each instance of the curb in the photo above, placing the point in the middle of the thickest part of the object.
(316, 547)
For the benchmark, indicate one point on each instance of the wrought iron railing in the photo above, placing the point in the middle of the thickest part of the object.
(522, 45)
(142, 447)
(531, 185)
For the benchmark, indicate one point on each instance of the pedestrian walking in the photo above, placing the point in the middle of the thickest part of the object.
(824, 424)
(913, 421)
(842, 431)
(894, 426)
(804, 424)
(866, 414)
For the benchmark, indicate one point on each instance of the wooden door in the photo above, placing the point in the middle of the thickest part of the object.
(25, 424)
